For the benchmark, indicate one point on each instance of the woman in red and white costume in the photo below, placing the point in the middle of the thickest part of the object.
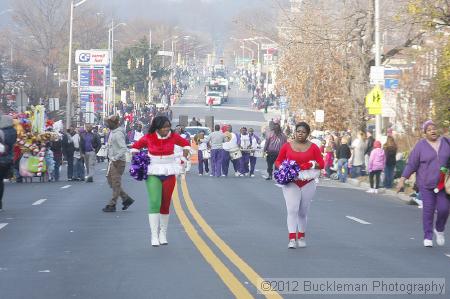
(298, 194)
(160, 142)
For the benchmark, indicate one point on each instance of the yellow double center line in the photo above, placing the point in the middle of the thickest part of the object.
(230, 280)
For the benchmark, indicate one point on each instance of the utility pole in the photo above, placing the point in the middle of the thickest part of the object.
(377, 60)
(69, 72)
(150, 77)
(171, 70)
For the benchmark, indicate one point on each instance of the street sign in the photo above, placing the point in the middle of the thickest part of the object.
(374, 100)
(165, 53)
(376, 75)
(268, 46)
(268, 57)
(92, 57)
(391, 83)
(389, 102)
(319, 116)
(53, 104)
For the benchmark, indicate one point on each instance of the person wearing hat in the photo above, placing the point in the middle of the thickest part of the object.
(8, 137)
(116, 151)
(427, 157)
(376, 163)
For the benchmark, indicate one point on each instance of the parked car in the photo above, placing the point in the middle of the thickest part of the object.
(194, 130)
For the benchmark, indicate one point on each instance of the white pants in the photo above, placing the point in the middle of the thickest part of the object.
(298, 201)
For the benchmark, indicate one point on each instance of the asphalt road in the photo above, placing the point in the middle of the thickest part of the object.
(224, 233)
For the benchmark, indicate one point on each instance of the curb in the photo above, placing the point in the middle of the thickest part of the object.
(364, 185)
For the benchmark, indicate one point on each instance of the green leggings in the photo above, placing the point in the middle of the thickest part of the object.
(160, 191)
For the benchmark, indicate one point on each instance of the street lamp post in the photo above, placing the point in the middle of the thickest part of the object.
(257, 44)
(69, 68)
(111, 58)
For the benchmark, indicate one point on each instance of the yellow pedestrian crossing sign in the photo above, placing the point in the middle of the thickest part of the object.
(373, 100)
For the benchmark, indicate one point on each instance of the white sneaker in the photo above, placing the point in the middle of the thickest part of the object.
(252, 176)
(292, 244)
(370, 190)
(210, 175)
(200, 174)
(440, 239)
(223, 175)
(237, 173)
(301, 242)
(375, 191)
(428, 243)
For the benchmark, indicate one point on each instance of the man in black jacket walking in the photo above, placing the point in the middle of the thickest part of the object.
(68, 151)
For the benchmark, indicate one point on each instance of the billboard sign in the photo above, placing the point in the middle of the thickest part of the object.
(92, 57)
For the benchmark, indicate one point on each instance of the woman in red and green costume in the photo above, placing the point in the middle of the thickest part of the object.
(160, 142)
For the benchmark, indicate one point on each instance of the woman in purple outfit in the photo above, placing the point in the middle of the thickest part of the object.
(426, 159)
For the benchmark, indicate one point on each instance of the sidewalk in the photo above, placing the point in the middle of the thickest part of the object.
(382, 191)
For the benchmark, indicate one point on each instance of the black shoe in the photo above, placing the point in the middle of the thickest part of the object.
(127, 203)
(269, 178)
(89, 179)
(109, 208)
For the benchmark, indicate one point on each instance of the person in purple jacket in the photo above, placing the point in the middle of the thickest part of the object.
(427, 157)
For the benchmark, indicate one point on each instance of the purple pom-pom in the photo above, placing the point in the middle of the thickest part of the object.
(287, 172)
(139, 166)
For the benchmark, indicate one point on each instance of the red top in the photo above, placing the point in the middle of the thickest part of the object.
(311, 154)
(158, 146)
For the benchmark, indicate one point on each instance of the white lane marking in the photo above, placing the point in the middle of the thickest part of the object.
(357, 220)
(2, 225)
(66, 186)
(44, 271)
(447, 255)
(38, 202)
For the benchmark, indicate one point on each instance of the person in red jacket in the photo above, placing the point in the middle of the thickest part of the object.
(160, 142)
(298, 194)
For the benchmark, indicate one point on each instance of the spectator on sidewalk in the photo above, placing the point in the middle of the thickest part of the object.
(78, 160)
(390, 150)
(56, 147)
(359, 147)
(194, 122)
(377, 160)
(343, 154)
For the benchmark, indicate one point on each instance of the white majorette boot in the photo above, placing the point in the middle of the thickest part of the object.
(154, 226)
(440, 238)
(163, 222)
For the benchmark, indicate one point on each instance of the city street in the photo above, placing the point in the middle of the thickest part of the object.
(224, 234)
